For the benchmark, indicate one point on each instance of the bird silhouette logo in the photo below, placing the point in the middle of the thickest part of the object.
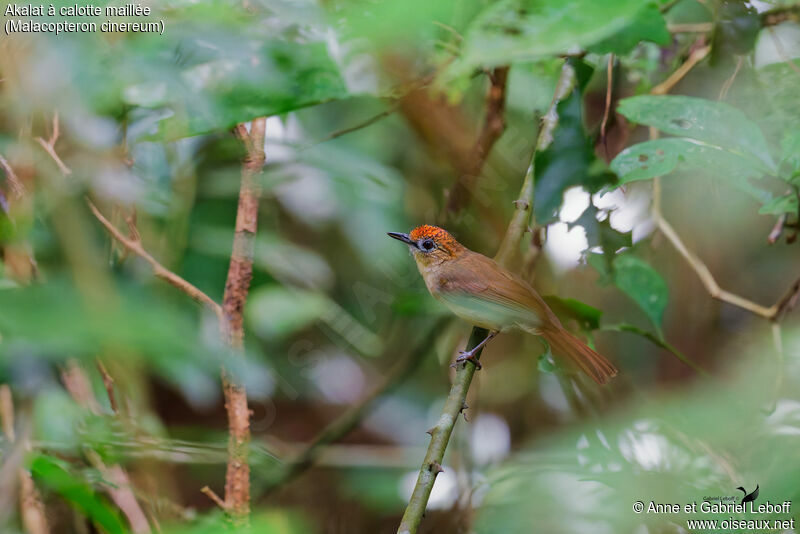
(748, 497)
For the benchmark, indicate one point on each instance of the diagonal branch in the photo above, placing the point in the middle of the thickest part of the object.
(134, 245)
(493, 126)
(50, 146)
(455, 403)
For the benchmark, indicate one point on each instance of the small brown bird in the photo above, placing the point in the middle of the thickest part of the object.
(481, 292)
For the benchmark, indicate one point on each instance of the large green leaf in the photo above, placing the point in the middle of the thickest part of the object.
(714, 123)
(520, 30)
(660, 157)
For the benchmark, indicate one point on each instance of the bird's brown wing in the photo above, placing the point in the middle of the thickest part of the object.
(479, 290)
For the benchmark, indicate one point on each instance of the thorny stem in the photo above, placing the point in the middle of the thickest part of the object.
(237, 286)
(509, 248)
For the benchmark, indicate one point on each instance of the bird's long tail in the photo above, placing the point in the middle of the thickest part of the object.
(590, 362)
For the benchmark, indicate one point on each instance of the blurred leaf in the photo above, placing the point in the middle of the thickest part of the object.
(648, 25)
(780, 205)
(57, 418)
(276, 312)
(735, 31)
(54, 475)
(565, 162)
(587, 317)
(790, 153)
(672, 448)
(637, 279)
(713, 123)
(545, 362)
(279, 521)
(518, 30)
(662, 156)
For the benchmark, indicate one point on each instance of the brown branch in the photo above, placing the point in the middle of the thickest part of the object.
(31, 508)
(108, 382)
(695, 57)
(50, 146)
(120, 490)
(237, 286)
(134, 245)
(607, 110)
(493, 126)
(17, 189)
(211, 494)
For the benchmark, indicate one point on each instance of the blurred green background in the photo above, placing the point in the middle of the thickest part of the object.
(374, 111)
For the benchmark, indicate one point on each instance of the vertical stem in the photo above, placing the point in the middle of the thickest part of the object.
(237, 286)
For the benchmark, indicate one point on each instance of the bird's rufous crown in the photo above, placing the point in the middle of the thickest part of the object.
(441, 236)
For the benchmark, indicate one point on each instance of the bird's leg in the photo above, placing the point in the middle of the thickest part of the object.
(470, 355)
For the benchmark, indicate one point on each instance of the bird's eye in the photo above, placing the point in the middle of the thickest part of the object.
(427, 244)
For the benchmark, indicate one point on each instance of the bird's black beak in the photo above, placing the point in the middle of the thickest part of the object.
(400, 237)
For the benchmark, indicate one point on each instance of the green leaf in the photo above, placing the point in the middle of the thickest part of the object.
(648, 25)
(517, 30)
(276, 78)
(276, 311)
(637, 279)
(566, 162)
(660, 157)
(587, 317)
(780, 205)
(790, 152)
(54, 474)
(713, 123)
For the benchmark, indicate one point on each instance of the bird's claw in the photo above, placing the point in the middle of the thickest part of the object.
(467, 356)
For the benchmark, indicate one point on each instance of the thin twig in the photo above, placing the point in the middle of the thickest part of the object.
(607, 110)
(214, 497)
(723, 93)
(697, 55)
(350, 129)
(50, 146)
(135, 246)
(441, 432)
(32, 510)
(493, 126)
(108, 382)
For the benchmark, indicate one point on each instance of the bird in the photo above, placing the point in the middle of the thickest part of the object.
(478, 290)
(748, 497)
